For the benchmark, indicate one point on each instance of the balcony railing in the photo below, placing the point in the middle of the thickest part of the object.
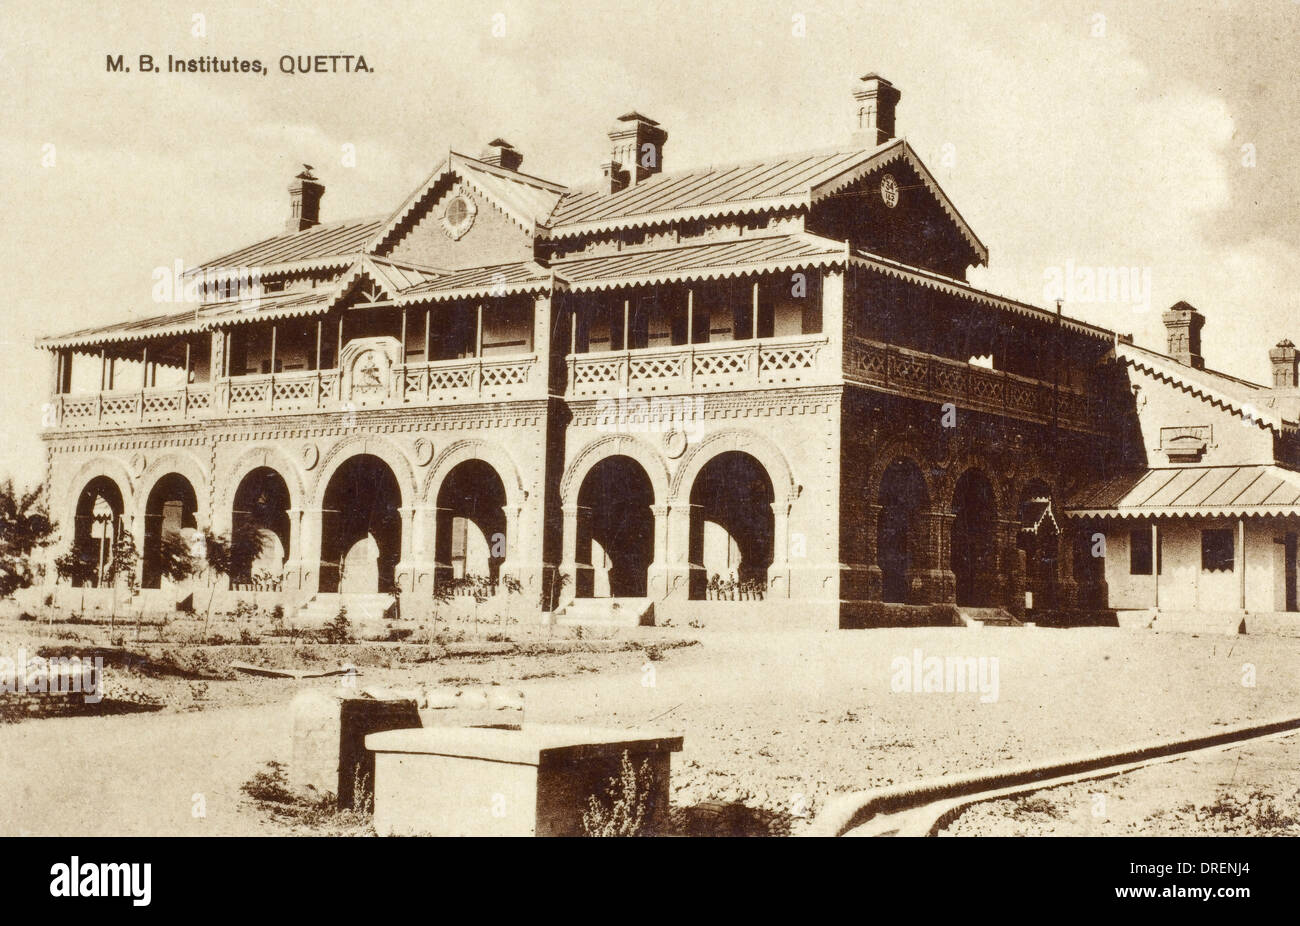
(485, 379)
(490, 378)
(938, 379)
(686, 367)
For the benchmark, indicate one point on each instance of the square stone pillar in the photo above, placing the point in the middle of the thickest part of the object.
(302, 570)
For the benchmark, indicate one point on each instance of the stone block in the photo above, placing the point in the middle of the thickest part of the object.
(535, 780)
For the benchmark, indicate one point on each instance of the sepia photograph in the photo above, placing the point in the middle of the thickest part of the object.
(781, 419)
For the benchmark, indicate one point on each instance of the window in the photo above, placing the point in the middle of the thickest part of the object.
(1139, 552)
(1217, 553)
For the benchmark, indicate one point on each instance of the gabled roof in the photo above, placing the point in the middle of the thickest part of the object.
(321, 246)
(698, 262)
(525, 199)
(1192, 491)
(785, 181)
(1242, 398)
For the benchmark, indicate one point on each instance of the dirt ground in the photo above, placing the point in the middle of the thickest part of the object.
(775, 721)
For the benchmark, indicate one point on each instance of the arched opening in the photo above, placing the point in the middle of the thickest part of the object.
(262, 504)
(974, 546)
(1039, 538)
(169, 516)
(98, 521)
(898, 529)
(732, 527)
(361, 528)
(616, 530)
(470, 537)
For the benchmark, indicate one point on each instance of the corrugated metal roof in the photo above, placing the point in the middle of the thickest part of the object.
(199, 318)
(773, 178)
(501, 279)
(341, 239)
(1257, 489)
(702, 261)
(1238, 396)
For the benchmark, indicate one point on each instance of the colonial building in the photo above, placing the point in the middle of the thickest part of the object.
(766, 381)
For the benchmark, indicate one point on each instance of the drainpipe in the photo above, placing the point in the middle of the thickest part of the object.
(1241, 543)
(1155, 558)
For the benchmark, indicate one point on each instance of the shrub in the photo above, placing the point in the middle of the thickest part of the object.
(625, 807)
(338, 630)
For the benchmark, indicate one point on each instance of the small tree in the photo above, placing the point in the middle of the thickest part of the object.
(25, 526)
(228, 556)
(79, 566)
(123, 563)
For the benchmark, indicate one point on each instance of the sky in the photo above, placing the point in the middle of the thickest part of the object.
(1151, 136)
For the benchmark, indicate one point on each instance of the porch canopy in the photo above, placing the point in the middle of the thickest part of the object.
(1192, 491)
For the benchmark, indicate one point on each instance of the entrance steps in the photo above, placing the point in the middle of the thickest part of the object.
(324, 607)
(606, 612)
(988, 617)
(1224, 622)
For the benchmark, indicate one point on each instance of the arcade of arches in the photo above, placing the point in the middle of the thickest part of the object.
(979, 550)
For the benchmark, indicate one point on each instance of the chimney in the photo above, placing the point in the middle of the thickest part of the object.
(874, 102)
(304, 201)
(1286, 368)
(636, 151)
(1183, 324)
(501, 153)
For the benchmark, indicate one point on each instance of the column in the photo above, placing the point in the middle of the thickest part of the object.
(580, 575)
(778, 574)
(833, 314)
(1009, 588)
(1067, 586)
(683, 579)
(302, 570)
(933, 568)
(657, 583)
(871, 551)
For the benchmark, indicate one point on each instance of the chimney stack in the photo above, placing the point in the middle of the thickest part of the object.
(1286, 367)
(304, 201)
(1183, 324)
(636, 151)
(503, 154)
(874, 103)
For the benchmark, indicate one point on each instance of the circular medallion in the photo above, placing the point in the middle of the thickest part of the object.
(458, 216)
(889, 190)
(674, 444)
(310, 455)
(423, 451)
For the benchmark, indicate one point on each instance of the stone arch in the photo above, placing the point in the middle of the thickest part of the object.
(375, 446)
(184, 464)
(107, 467)
(893, 452)
(625, 445)
(490, 453)
(762, 449)
(269, 457)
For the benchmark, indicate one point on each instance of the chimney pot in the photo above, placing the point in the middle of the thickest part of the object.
(1286, 365)
(503, 154)
(1183, 324)
(875, 101)
(636, 151)
(304, 201)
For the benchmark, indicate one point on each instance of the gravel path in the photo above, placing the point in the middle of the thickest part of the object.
(778, 721)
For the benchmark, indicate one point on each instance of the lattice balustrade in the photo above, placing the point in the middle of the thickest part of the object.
(780, 359)
(121, 406)
(295, 391)
(200, 401)
(722, 363)
(949, 380)
(506, 374)
(906, 370)
(163, 405)
(441, 379)
(414, 384)
(245, 394)
(79, 411)
(596, 371)
(655, 368)
(986, 388)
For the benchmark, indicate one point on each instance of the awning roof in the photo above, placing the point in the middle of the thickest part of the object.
(499, 280)
(698, 262)
(200, 318)
(1192, 491)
